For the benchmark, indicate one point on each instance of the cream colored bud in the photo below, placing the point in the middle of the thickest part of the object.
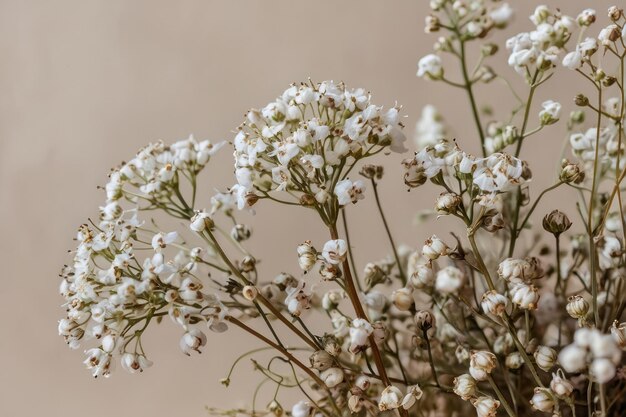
(485, 406)
(481, 364)
(462, 354)
(525, 296)
(307, 256)
(363, 382)
(240, 232)
(494, 303)
(577, 307)
(424, 320)
(355, 403)
(465, 386)
(492, 221)
(615, 13)
(514, 360)
(248, 264)
(556, 222)
(571, 173)
(447, 203)
(390, 398)
(434, 248)
(423, 276)
(542, 400)
(250, 292)
(545, 357)
(402, 298)
(560, 385)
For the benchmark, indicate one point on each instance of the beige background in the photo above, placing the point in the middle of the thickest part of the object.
(85, 83)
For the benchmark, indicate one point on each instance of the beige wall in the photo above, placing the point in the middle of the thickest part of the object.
(85, 83)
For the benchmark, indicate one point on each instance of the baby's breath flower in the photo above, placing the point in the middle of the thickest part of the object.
(545, 357)
(485, 406)
(465, 386)
(542, 400)
(334, 251)
(430, 67)
(390, 398)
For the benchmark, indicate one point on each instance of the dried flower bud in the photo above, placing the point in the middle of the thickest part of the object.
(492, 221)
(321, 360)
(608, 81)
(581, 100)
(424, 320)
(607, 36)
(360, 330)
(447, 203)
(615, 13)
(423, 276)
(618, 331)
(329, 272)
(331, 345)
(301, 409)
(485, 406)
(542, 400)
(374, 275)
(307, 200)
(402, 298)
(577, 307)
(465, 386)
(494, 303)
(390, 398)
(481, 364)
(514, 360)
(586, 17)
(449, 280)
(434, 248)
(556, 222)
(335, 251)
(363, 383)
(560, 385)
(432, 24)
(413, 393)
(201, 221)
(571, 173)
(307, 256)
(275, 408)
(462, 354)
(489, 49)
(355, 403)
(576, 117)
(415, 174)
(379, 332)
(250, 292)
(332, 298)
(524, 295)
(332, 377)
(248, 264)
(371, 171)
(545, 357)
(240, 232)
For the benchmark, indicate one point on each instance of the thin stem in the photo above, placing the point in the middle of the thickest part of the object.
(470, 94)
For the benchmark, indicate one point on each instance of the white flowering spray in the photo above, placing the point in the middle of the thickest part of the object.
(511, 314)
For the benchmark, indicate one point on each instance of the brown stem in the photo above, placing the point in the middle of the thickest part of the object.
(279, 348)
(358, 309)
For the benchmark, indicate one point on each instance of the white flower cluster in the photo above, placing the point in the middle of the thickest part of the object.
(112, 293)
(538, 50)
(519, 275)
(591, 348)
(429, 129)
(301, 142)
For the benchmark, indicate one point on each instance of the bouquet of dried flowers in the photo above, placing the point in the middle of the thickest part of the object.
(479, 323)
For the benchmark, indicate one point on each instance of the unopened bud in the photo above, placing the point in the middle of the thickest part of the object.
(615, 13)
(545, 357)
(240, 232)
(577, 307)
(571, 173)
(371, 171)
(321, 360)
(447, 203)
(556, 222)
(424, 320)
(581, 100)
(250, 292)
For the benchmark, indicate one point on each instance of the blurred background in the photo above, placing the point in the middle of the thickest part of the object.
(84, 84)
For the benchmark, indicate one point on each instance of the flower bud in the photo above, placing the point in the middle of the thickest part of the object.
(201, 221)
(307, 256)
(492, 221)
(332, 298)
(415, 174)
(248, 264)
(462, 354)
(465, 386)
(485, 406)
(360, 330)
(449, 280)
(363, 383)
(577, 117)
(335, 251)
(618, 331)
(390, 398)
(615, 13)
(524, 295)
(577, 307)
(481, 364)
(434, 248)
(423, 276)
(301, 409)
(321, 360)
(586, 17)
(571, 173)
(581, 100)
(514, 360)
(489, 49)
(542, 400)
(432, 24)
(560, 385)
(447, 203)
(331, 345)
(371, 171)
(424, 320)
(494, 303)
(240, 232)
(413, 393)
(355, 403)
(275, 408)
(332, 377)
(556, 222)
(545, 357)
(329, 272)
(402, 298)
(250, 292)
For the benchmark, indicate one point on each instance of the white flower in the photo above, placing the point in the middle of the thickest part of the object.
(524, 295)
(602, 370)
(360, 331)
(349, 192)
(99, 362)
(618, 331)
(297, 300)
(301, 409)
(434, 248)
(573, 358)
(550, 113)
(307, 256)
(402, 298)
(390, 398)
(133, 362)
(494, 303)
(609, 34)
(160, 240)
(449, 280)
(502, 15)
(465, 386)
(481, 364)
(560, 385)
(192, 340)
(200, 221)
(334, 251)
(430, 67)
(542, 400)
(413, 394)
(429, 129)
